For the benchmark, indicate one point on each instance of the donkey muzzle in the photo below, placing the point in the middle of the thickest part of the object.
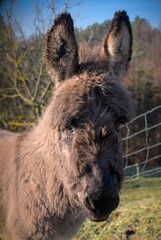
(99, 206)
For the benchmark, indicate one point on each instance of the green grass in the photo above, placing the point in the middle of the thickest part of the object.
(137, 218)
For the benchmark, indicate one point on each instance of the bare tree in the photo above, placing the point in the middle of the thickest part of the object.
(25, 85)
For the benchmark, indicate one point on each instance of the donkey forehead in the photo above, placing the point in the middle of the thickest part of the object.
(94, 96)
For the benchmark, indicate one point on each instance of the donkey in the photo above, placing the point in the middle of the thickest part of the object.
(69, 166)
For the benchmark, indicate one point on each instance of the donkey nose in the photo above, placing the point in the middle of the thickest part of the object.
(101, 206)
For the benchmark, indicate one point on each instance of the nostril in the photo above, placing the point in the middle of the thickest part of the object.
(89, 203)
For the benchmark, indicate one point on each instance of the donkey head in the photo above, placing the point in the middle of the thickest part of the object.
(88, 106)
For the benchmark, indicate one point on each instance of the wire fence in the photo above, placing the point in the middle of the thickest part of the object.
(142, 145)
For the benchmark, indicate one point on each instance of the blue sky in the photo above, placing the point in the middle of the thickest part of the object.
(85, 13)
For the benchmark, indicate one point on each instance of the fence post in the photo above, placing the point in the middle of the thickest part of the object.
(137, 170)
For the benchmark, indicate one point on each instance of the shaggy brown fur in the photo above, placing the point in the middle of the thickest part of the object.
(69, 166)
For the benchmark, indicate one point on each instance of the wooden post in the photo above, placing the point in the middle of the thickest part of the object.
(137, 170)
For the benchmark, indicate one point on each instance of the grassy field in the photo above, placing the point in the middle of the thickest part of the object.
(137, 218)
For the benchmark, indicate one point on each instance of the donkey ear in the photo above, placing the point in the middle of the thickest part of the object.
(117, 47)
(61, 48)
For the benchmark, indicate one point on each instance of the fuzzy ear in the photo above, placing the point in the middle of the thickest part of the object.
(117, 46)
(61, 48)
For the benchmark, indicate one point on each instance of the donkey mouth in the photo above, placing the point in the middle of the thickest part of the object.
(96, 215)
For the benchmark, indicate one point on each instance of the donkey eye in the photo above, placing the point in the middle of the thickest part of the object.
(121, 121)
(69, 128)
(117, 125)
(71, 125)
